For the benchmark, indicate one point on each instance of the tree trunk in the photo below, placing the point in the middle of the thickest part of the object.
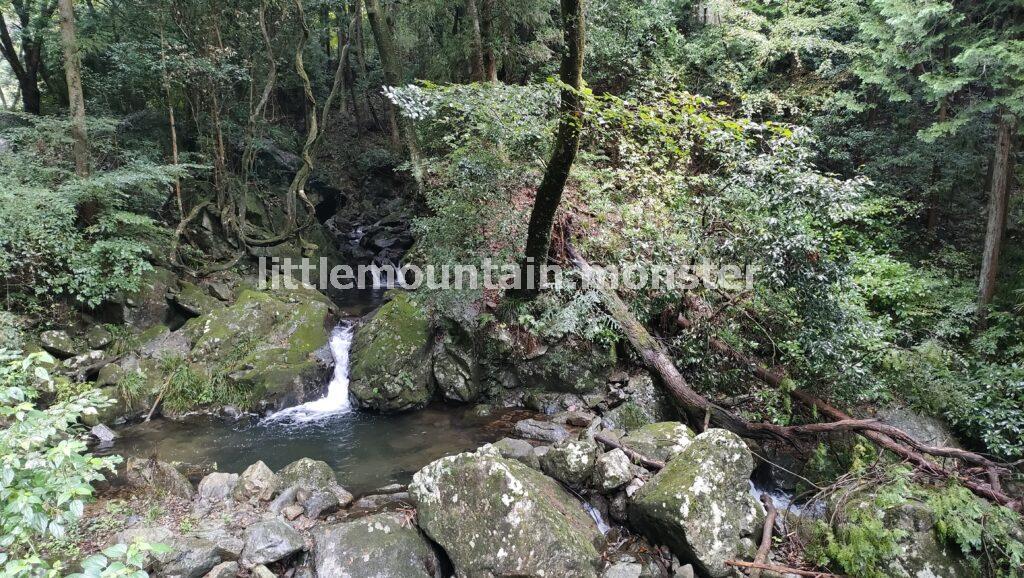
(393, 77)
(487, 33)
(476, 52)
(567, 141)
(73, 73)
(1002, 167)
(24, 64)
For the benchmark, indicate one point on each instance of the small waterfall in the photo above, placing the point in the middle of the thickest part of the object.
(602, 526)
(336, 401)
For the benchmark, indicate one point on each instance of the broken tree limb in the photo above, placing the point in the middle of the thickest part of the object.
(634, 455)
(783, 569)
(698, 408)
(884, 436)
(766, 535)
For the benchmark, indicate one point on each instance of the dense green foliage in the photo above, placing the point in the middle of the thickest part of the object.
(45, 471)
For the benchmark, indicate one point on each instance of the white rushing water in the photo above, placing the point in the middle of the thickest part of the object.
(336, 401)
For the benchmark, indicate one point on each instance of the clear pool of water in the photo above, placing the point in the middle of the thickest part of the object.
(366, 450)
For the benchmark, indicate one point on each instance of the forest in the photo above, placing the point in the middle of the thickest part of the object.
(820, 372)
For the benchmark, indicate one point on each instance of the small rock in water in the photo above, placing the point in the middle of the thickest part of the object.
(391, 489)
(379, 501)
(103, 433)
(542, 430)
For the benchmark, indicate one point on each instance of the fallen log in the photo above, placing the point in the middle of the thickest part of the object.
(783, 569)
(701, 412)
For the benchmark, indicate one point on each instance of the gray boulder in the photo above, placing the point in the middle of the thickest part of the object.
(224, 570)
(217, 487)
(612, 471)
(257, 481)
(517, 449)
(321, 503)
(571, 462)
(544, 431)
(453, 372)
(158, 476)
(495, 516)
(98, 337)
(269, 541)
(700, 504)
(58, 343)
(190, 557)
(309, 474)
(661, 441)
(378, 546)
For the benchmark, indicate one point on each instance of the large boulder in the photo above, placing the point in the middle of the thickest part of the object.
(661, 441)
(308, 474)
(700, 504)
(571, 366)
(454, 372)
(266, 344)
(377, 546)
(269, 541)
(920, 550)
(390, 358)
(160, 477)
(58, 343)
(497, 517)
(217, 487)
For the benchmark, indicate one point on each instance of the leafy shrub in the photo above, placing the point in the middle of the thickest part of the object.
(45, 472)
(83, 238)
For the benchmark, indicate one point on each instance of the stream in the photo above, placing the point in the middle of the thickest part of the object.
(366, 450)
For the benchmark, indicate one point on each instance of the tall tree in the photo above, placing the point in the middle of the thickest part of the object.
(567, 142)
(476, 53)
(27, 60)
(393, 76)
(998, 202)
(487, 34)
(73, 73)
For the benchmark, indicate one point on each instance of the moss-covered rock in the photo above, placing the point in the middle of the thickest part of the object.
(307, 473)
(644, 404)
(384, 544)
(700, 504)
(454, 372)
(571, 366)
(193, 299)
(571, 461)
(661, 441)
(497, 517)
(390, 358)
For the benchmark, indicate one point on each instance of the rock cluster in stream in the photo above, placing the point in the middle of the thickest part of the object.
(518, 507)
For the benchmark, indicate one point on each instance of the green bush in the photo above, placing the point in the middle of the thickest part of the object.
(45, 471)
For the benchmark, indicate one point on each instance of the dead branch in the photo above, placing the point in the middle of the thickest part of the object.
(783, 569)
(634, 455)
(766, 535)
